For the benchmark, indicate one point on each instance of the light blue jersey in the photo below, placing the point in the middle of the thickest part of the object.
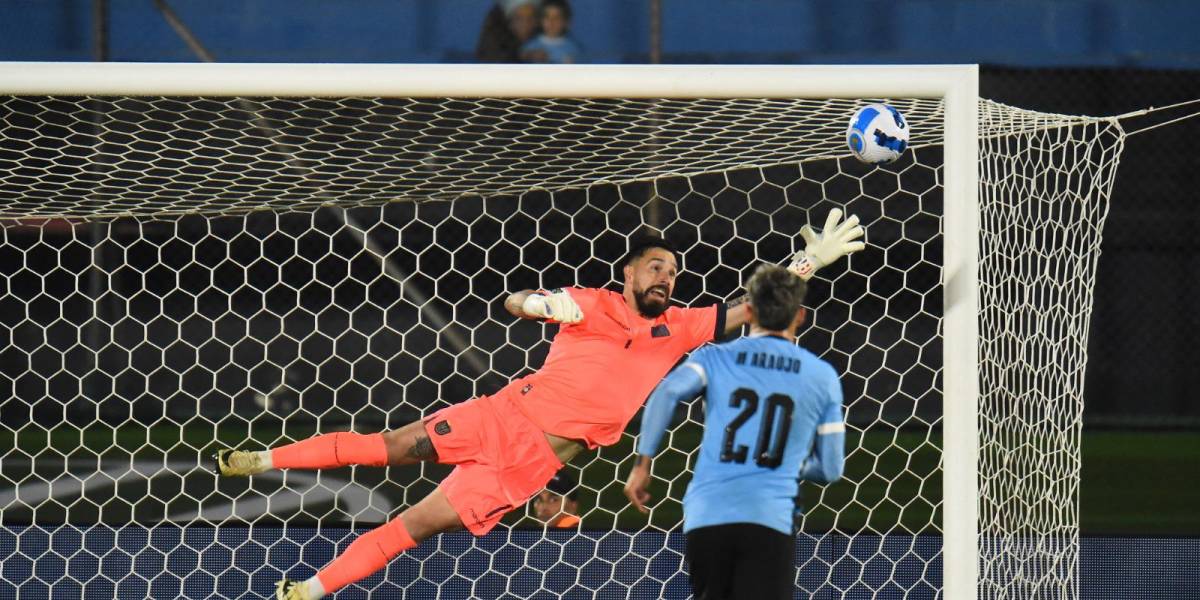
(559, 50)
(773, 415)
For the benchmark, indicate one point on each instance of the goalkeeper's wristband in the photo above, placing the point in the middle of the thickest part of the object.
(803, 266)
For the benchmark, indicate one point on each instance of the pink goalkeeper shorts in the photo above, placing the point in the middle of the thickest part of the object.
(502, 458)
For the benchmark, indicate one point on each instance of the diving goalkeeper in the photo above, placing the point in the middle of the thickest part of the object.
(609, 353)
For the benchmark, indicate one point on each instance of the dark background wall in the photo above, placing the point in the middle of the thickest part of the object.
(1141, 369)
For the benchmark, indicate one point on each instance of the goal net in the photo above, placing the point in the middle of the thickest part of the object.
(181, 273)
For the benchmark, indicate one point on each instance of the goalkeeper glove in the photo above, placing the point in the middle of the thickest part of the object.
(557, 305)
(834, 242)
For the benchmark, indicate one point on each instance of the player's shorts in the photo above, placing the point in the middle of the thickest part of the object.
(741, 560)
(502, 458)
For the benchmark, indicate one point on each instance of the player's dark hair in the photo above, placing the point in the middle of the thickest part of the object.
(562, 485)
(562, 5)
(776, 295)
(640, 244)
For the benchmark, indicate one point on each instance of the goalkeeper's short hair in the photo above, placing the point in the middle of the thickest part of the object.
(776, 295)
(643, 242)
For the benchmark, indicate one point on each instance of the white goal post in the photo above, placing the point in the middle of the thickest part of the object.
(952, 92)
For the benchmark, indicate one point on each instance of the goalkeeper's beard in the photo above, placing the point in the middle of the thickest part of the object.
(651, 306)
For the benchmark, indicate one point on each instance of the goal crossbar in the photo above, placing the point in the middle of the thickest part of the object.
(483, 81)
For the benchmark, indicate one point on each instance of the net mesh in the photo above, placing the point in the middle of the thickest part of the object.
(185, 274)
(1044, 192)
(103, 157)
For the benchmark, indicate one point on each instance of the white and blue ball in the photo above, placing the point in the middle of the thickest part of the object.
(877, 134)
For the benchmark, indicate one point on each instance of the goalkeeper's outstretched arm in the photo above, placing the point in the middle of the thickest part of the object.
(838, 238)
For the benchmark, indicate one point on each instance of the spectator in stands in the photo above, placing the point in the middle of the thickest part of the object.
(558, 504)
(555, 44)
(507, 27)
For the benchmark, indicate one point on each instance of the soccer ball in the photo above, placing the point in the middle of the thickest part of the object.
(877, 134)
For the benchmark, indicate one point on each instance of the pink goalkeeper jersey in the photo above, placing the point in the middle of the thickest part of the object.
(602, 369)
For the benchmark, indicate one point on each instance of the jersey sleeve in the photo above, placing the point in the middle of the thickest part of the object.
(687, 380)
(827, 460)
(702, 325)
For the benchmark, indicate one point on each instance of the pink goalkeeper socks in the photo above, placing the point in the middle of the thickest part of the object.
(331, 450)
(366, 555)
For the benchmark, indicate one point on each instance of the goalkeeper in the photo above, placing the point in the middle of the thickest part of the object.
(612, 348)
(773, 412)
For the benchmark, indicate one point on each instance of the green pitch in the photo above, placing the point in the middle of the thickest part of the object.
(1133, 482)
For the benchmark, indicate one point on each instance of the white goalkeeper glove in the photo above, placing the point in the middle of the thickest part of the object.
(557, 305)
(834, 242)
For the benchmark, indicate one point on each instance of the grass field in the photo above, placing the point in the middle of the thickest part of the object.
(1140, 483)
(1133, 482)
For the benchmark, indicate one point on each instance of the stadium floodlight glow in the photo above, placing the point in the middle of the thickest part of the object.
(191, 250)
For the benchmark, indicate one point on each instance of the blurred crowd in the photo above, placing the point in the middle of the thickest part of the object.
(528, 31)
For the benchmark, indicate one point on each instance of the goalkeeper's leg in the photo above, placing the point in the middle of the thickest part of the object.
(372, 550)
(407, 445)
